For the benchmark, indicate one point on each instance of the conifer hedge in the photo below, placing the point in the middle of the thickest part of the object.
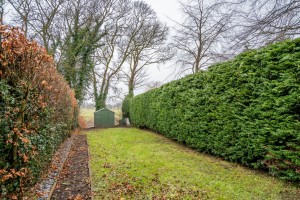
(246, 110)
(37, 109)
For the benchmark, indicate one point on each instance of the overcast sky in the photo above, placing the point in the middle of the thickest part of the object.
(167, 10)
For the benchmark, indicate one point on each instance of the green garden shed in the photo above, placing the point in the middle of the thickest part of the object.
(104, 118)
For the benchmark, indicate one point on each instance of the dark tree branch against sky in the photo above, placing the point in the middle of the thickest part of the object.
(108, 48)
(148, 46)
(198, 37)
(262, 22)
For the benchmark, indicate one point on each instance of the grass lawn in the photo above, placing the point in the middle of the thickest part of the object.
(129, 163)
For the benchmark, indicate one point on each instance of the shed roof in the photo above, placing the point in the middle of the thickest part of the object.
(104, 109)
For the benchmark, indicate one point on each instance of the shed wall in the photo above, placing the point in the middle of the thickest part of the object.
(104, 119)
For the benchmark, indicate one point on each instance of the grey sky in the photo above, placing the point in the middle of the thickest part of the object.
(166, 10)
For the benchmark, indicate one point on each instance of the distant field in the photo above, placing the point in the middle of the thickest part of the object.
(129, 163)
(118, 113)
(87, 113)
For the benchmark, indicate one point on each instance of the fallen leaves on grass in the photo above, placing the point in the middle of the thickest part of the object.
(78, 197)
(106, 165)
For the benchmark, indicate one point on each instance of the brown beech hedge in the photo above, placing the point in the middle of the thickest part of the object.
(36, 108)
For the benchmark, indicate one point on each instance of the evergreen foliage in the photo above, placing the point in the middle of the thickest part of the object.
(126, 105)
(246, 110)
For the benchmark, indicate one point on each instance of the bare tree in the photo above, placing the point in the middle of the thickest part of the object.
(198, 38)
(37, 18)
(85, 23)
(45, 14)
(94, 39)
(148, 45)
(261, 22)
(70, 30)
(134, 36)
(24, 9)
(111, 56)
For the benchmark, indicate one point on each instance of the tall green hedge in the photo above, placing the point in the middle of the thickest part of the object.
(246, 110)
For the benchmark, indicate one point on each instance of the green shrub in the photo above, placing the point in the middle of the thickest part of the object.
(246, 110)
(126, 105)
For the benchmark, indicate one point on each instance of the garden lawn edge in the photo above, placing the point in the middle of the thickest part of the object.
(90, 171)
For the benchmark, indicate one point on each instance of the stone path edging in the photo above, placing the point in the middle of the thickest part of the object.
(47, 186)
(90, 171)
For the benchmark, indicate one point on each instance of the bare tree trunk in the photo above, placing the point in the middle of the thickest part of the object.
(101, 99)
(131, 84)
(1, 11)
(148, 48)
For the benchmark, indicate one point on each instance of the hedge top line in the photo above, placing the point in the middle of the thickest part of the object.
(255, 53)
